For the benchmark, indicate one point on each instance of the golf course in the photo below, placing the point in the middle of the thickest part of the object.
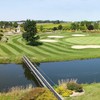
(55, 46)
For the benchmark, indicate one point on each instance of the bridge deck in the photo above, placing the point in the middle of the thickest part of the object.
(40, 77)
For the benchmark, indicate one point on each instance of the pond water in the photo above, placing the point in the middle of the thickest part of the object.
(12, 75)
(86, 71)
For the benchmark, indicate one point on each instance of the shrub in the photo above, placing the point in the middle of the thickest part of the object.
(54, 28)
(63, 91)
(1, 30)
(38, 94)
(67, 93)
(1, 35)
(74, 86)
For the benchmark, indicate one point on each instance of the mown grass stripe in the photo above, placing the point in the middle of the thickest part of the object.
(2, 53)
(38, 49)
(26, 48)
(56, 47)
(12, 49)
(42, 49)
(6, 50)
(16, 48)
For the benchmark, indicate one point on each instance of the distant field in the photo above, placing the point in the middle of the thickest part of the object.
(51, 25)
(49, 51)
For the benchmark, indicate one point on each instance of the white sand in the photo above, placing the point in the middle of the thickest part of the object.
(85, 46)
(55, 36)
(47, 40)
(78, 35)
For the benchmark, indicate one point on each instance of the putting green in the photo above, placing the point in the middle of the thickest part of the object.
(84, 40)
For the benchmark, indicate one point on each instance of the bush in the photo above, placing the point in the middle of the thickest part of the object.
(67, 93)
(1, 35)
(38, 94)
(63, 91)
(74, 86)
(54, 28)
(1, 30)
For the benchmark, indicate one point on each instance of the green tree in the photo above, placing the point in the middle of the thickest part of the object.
(41, 28)
(30, 32)
(96, 25)
(60, 27)
(83, 27)
(90, 27)
(73, 26)
(54, 28)
(15, 24)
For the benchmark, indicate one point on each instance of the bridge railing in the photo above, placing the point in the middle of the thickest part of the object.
(40, 77)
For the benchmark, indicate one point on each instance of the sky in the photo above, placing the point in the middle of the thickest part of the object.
(66, 10)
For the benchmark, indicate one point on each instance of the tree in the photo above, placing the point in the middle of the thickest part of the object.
(90, 27)
(96, 25)
(15, 24)
(54, 28)
(30, 32)
(41, 28)
(60, 27)
(73, 26)
(56, 22)
(83, 27)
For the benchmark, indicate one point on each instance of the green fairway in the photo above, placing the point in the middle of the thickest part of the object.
(84, 40)
(15, 48)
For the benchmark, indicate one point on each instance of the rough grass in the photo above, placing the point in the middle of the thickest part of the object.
(28, 94)
(15, 48)
(92, 92)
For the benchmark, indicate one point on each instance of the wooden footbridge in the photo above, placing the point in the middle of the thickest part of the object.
(39, 77)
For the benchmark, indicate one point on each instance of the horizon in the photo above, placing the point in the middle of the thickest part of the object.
(48, 20)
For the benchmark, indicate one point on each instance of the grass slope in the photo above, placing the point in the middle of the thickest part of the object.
(92, 92)
(28, 94)
(15, 48)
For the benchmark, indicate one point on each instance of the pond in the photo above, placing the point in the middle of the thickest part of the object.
(12, 75)
(86, 71)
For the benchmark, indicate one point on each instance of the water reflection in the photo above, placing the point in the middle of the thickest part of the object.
(28, 75)
(12, 75)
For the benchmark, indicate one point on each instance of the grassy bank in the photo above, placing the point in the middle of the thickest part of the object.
(15, 48)
(28, 94)
(92, 92)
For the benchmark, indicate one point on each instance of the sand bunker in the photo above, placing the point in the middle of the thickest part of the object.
(85, 46)
(46, 40)
(55, 36)
(78, 35)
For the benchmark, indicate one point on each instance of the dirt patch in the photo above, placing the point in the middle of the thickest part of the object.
(47, 40)
(85, 46)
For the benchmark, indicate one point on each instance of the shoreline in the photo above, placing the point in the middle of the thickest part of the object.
(6, 60)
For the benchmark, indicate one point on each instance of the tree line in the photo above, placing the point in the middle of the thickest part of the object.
(85, 25)
(6, 24)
